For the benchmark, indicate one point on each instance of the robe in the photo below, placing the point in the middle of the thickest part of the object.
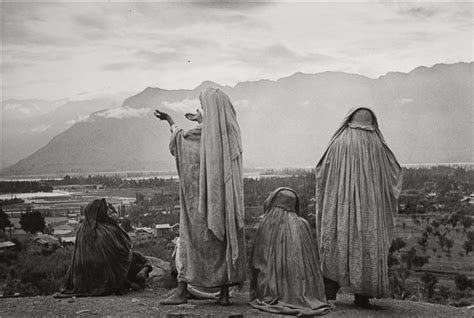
(205, 255)
(358, 182)
(285, 267)
(102, 255)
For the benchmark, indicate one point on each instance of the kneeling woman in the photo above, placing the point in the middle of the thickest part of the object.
(285, 266)
(102, 255)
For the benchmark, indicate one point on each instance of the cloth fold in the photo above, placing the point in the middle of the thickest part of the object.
(358, 182)
(221, 172)
(102, 255)
(284, 265)
(212, 239)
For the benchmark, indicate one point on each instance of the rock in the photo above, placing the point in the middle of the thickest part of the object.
(160, 276)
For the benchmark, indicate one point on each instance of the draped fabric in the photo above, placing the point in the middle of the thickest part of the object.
(202, 260)
(139, 262)
(221, 193)
(197, 292)
(284, 264)
(102, 255)
(358, 182)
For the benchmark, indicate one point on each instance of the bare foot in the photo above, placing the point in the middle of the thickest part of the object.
(179, 296)
(175, 299)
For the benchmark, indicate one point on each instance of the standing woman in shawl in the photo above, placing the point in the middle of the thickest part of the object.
(101, 258)
(209, 164)
(358, 181)
(286, 277)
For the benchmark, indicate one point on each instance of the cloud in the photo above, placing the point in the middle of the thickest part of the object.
(405, 100)
(157, 57)
(79, 119)
(55, 50)
(117, 66)
(419, 11)
(278, 53)
(11, 106)
(184, 106)
(26, 108)
(40, 128)
(91, 22)
(124, 112)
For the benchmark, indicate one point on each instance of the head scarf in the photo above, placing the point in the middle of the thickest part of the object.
(345, 124)
(96, 212)
(221, 178)
(292, 203)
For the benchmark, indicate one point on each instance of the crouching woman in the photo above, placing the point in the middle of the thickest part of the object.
(285, 267)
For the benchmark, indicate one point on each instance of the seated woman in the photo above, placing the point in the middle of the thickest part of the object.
(102, 256)
(285, 267)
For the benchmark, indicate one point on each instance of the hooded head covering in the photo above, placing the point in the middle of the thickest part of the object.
(359, 116)
(285, 198)
(96, 212)
(221, 178)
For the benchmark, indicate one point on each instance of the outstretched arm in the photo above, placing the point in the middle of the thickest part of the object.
(164, 116)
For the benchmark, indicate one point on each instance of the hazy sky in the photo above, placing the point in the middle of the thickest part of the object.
(56, 50)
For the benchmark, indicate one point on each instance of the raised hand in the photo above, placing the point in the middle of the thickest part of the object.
(161, 115)
(194, 117)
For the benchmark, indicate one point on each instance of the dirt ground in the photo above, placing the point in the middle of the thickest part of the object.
(146, 303)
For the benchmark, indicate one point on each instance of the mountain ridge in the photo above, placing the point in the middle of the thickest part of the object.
(293, 118)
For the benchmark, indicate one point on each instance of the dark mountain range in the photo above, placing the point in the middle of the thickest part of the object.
(426, 116)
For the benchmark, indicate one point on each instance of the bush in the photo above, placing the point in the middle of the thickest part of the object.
(462, 282)
(32, 222)
(429, 280)
(38, 274)
(461, 303)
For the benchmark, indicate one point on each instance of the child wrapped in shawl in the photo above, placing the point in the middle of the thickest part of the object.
(358, 181)
(286, 277)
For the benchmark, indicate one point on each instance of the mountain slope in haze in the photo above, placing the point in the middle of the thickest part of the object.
(425, 116)
(28, 125)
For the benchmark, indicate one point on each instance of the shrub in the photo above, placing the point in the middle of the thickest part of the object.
(429, 280)
(461, 303)
(462, 282)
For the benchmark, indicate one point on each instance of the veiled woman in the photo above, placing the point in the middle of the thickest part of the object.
(284, 265)
(102, 255)
(209, 163)
(358, 181)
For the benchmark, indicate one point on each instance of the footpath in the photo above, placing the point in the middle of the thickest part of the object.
(146, 304)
